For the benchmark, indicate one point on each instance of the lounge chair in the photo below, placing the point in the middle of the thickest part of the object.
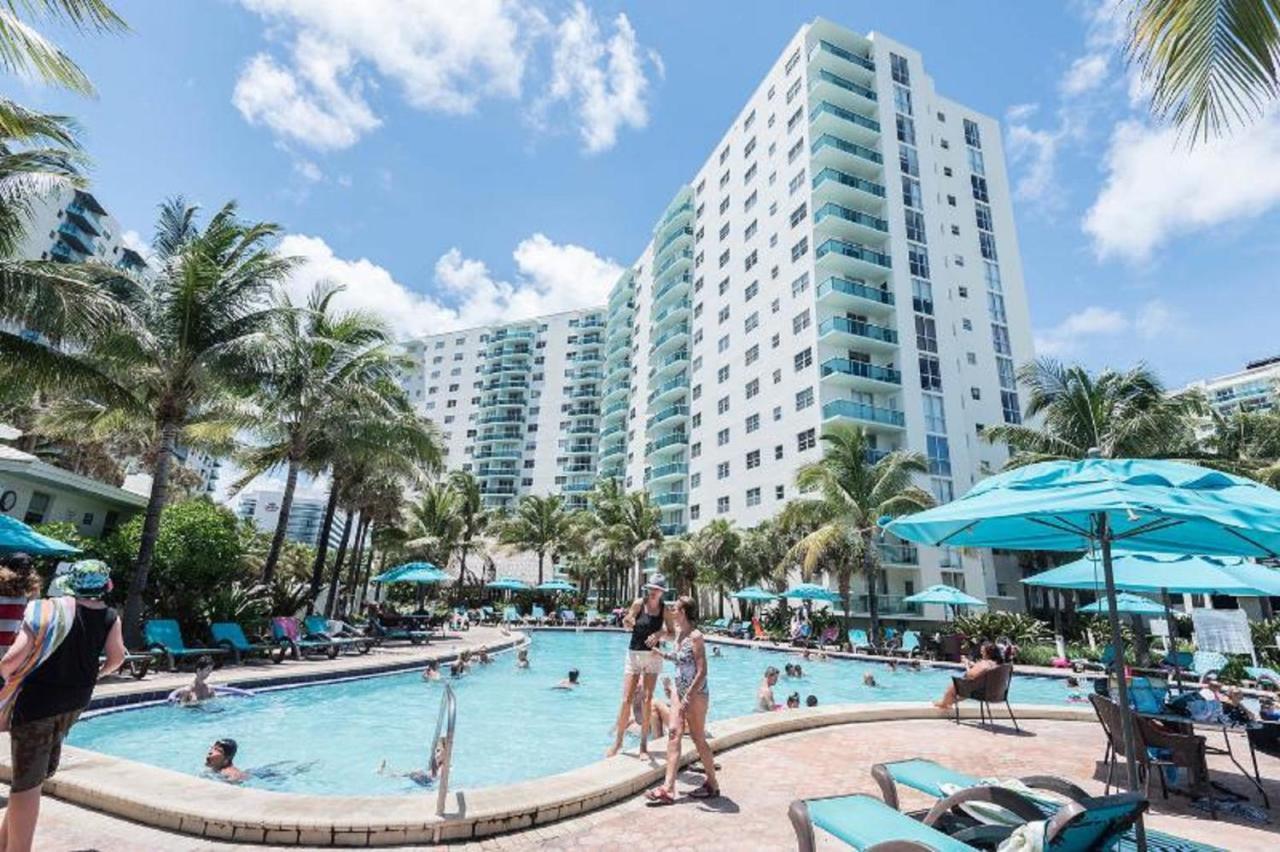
(230, 636)
(317, 627)
(289, 635)
(537, 615)
(990, 687)
(858, 640)
(593, 618)
(866, 823)
(757, 631)
(487, 615)
(568, 618)
(830, 636)
(511, 615)
(163, 636)
(910, 645)
(940, 782)
(138, 662)
(1101, 665)
(720, 625)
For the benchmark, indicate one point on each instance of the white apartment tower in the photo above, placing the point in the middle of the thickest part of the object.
(1256, 388)
(518, 404)
(846, 254)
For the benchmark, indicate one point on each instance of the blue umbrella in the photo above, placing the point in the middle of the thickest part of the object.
(1164, 572)
(1143, 504)
(510, 584)
(17, 537)
(1127, 603)
(755, 594)
(949, 595)
(556, 586)
(811, 592)
(413, 572)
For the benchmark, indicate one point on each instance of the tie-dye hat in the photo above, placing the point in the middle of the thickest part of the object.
(89, 578)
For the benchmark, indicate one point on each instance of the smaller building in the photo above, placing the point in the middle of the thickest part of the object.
(71, 226)
(306, 516)
(1255, 388)
(34, 492)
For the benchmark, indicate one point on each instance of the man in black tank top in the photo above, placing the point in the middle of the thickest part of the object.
(52, 696)
(647, 620)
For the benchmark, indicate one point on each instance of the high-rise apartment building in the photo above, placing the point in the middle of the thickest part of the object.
(306, 516)
(1256, 388)
(518, 404)
(72, 226)
(845, 254)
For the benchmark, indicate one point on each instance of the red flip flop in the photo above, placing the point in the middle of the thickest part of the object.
(659, 796)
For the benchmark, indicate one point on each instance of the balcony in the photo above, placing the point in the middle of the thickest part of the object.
(672, 530)
(587, 356)
(676, 440)
(612, 430)
(886, 605)
(587, 392)
(681, 257)
(833, 152)
(671, 498)
(503, 399)
(580, 450)
(497, 453)
(679, 235)
(678, 310)
(848, 409)
(512, 334)
(858, 374)
(677, 385)
(662, 473)
(489, 436)
(846, 293)
(827, 118)
(899, 554)
(684, 208)
(581, 429)
(847, 190)
(77, 239)
(484, 472)
(613, 450)
(669, 339)
(671, 414)
(509, 367)
(826, 85)
(614, 388)
(505, 384)
(836, 256)
(851, 224)
(505, 349)
(824, 52)
(500, 418)
(668, 364)
(583, 411)
(676, 287)
(577, 487)
(842, 330)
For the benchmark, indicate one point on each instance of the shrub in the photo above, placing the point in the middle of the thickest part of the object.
(1020, 629)
(1036, 655)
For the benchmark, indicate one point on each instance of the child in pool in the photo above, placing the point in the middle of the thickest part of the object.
(422, 777)
(522, 658)
(1074, 693)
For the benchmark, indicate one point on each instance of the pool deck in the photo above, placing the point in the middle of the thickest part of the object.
(127, 800)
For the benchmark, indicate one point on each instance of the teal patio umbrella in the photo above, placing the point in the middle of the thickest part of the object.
(508, 584)
(811, 592)
(413, 572)
(1127, 603)
(17, 537)
(1139, 504)
(948, 596)
(754, 594)
(556, 586)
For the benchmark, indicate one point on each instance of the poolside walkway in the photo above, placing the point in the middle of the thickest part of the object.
(761, 779)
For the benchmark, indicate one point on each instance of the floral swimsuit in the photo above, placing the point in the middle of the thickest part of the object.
(687, 668)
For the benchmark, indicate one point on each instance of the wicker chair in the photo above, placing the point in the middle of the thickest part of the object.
(990, 687)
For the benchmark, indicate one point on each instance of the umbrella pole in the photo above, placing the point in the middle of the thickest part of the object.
(1172, 642)
(1122, 689)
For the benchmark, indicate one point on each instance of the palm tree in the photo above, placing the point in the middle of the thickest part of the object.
(472, 517)
(172, 368)
(1209, 64)
(852, 495)
(540, 524)
(1246, 443)
(431, 527)
(719, 547)
(316, 359)
(26, 53)
(629, 523)
(678, 560)
(1119, 414)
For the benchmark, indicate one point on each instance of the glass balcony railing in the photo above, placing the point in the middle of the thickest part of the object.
(682, 305)
(859, 328)
(672, 530)
(678, 331)
(612, 430)
(900, 554)
(826, 140)
(855, 287)
(686, 231)
(848, 85)
(862, 369)
(828, 108)
(665, 470)
(671, 498)
(851, 181)
(863, 411)
(854, 250)
(856, 217)
(667, 361)
(686, 207)
(671, 261)
(668, 413)
(615, 407)
(669, 287)
(885, 605)
(848, 56)
(672, 440)
(681, 381)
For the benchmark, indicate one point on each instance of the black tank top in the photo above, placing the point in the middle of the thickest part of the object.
(64, 681)
(646, 626)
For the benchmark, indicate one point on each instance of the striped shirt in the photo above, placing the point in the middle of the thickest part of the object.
(11, 611)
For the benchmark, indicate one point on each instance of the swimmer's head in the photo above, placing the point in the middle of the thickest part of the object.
(573, 675)
(1073, 682)
(771, 675)
(811, 701)
(204, 666)
(221, 754)
(793, 700)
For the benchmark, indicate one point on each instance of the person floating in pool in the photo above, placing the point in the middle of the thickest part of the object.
(199, 691)
(522, 658)
(483, 656)
(570, 682)
(793, 701)
(1074, 693)
(431, 672)
(915, 665)
(715, 650)
(811, 701)
(422, 777)
(765, 701)
(221, 759)
(869, 679)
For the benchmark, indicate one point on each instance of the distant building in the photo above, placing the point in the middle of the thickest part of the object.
(71, 226)
(1255, 388)
(306, 516)
(35, 492)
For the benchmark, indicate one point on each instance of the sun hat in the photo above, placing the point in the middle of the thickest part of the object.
(656, 581)
(89, 578)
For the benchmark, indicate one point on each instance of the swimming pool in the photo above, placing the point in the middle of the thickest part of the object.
(330, 738)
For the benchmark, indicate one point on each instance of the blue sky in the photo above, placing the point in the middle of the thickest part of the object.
(457, 163)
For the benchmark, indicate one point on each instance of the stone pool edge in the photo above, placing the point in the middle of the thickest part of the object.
(197, 807)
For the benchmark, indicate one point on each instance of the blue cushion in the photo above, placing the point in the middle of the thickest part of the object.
(862, 821)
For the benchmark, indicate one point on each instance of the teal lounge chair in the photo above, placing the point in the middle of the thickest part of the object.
(593, 618)
(865, 823)
(317, 627)
(720, 625)
(230, 636)
(289, 635)
(858, 640)
(538, 615)
(910, 646)
(1205, 663)
(568, 618)
(163, 636)
(934, 779)
(511, 615)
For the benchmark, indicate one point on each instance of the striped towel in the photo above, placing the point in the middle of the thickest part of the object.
(49, 620)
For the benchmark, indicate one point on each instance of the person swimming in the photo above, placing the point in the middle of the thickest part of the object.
(764, 694)
(431, 672)
(915, 665)
(483, 656)
(422, 777)
(793, 701)
(869, 679)
(1074, 693)
(199, 691)
(715, 650)
(522, 658)
(891, 665)
(811, 701)
(570, 682)
(221, 759)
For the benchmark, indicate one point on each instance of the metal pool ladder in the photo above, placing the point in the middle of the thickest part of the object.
(444, 722)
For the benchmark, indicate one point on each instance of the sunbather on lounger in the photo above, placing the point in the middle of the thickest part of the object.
(199, 690)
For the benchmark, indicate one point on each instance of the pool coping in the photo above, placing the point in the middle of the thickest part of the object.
(199, 807)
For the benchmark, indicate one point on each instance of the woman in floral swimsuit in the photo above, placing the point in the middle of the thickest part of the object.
(690, 707)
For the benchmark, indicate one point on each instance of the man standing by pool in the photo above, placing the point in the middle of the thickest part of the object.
(647, 620)
(54, 693)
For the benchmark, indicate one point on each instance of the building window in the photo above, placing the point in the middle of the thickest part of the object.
(803, 358)
(753, 388)
(779, 492)
(751, 230)
(722, 375)
(930, 373)
(800, 285)
(722, 505)
(800, 249)
(906, 130)
(976, 393)
(797, 215)
(695, 479)
(753, 496)
(971, 135)
(722, 437)
(37, 508)
(987, 242)
(806, 440)
(899, 70)
(804, 399)
(911, 195)
(722, 405)
(800, 321)
(918, 261)
(722, 470)
(915, 226)
(777, 452)
(753, 354)
(902, 100)
(979, 185)
(753, 423)
(751, 260)
(724, 258)
(695, 511)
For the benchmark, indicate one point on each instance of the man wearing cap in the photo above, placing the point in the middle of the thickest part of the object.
(647, 620)
(53, 695)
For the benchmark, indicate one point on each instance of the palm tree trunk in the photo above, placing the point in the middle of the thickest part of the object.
(720, 602)
(322, 543)
(282, 523)
(150, 532)
(540, 552)
(869, 571)
(357, 558)
(462, 562)
(337, 565)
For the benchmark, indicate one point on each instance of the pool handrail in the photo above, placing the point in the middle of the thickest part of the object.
(445, 720)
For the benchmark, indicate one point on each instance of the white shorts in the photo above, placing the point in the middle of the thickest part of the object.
(643, 662)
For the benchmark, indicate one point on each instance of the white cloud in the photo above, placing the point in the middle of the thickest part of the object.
(1067, 336)
(1157, 189)
(1035, 154)
(549, 277)
(308, 170)
(442, 57)
(604, 82)
(1085, 74)
(1156, 319)
(132, 239)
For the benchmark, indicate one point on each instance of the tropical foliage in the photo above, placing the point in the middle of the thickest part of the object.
(540, 524)
(1021, 630)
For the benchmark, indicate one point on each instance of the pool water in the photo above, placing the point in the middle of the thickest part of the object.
(511, 725)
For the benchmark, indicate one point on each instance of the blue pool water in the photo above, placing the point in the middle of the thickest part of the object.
(511, 725)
